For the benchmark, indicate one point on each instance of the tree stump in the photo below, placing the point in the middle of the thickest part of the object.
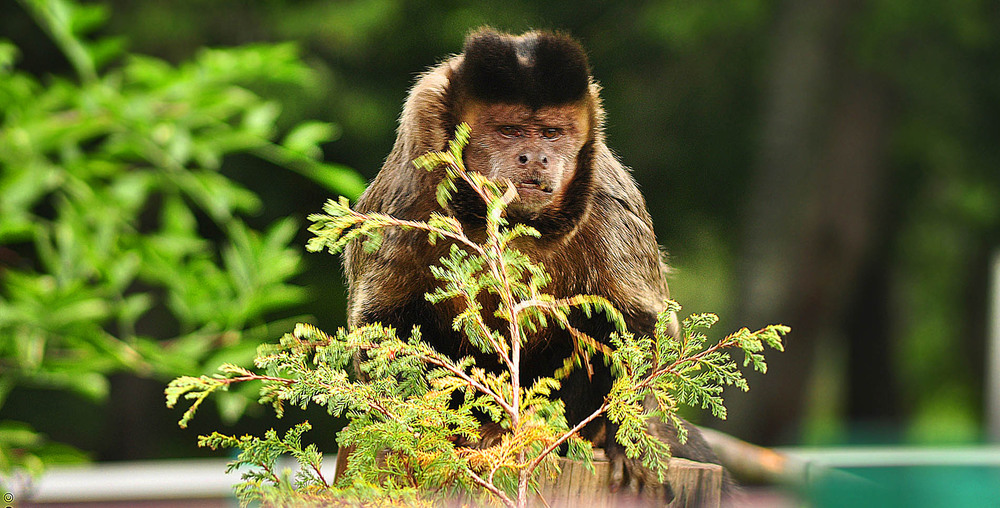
(694, 484)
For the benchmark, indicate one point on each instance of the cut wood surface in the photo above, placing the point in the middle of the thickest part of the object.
(694, 484)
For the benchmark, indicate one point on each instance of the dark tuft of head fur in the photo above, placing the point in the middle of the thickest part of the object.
(537, 68)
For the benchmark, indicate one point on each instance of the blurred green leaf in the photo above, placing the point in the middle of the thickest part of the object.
(306, 138)
(21, 447)
(260, 119)
(8, 55)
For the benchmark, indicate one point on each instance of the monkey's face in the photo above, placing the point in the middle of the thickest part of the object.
(536, 149)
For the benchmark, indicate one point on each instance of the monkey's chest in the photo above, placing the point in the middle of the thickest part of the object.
(543, 353)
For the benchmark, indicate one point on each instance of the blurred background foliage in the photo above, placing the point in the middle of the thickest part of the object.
(831, 165)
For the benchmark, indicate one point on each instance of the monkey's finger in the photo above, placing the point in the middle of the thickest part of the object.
(618, 475)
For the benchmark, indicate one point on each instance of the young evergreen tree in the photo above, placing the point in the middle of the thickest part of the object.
(409, 404)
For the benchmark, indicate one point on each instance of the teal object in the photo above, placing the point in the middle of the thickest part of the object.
(909, 486)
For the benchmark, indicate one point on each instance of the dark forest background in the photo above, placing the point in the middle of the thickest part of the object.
(833, 165)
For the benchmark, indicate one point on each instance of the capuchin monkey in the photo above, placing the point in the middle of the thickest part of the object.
(536, 120)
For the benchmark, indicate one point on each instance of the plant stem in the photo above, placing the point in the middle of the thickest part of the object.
(56, 22)
(522, 484)
(538, 460)
(335, 177)
(472, 382)
(491, 488)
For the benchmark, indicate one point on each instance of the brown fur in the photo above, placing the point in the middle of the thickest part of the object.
(597, 238)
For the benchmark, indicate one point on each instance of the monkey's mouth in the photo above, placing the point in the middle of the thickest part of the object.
(533, 187)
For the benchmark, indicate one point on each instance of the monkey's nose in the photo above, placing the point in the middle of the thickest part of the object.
(525, 158)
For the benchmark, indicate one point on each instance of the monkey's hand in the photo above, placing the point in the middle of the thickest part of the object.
(630, 477)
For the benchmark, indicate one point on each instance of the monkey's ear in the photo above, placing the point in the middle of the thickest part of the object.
(427, 122)
(489, 71)
(537, 68)
(561, 69)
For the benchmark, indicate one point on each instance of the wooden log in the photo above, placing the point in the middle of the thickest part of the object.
(694, 484)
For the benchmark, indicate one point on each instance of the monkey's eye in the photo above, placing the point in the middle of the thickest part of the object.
(509, 131)
(551, 133)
